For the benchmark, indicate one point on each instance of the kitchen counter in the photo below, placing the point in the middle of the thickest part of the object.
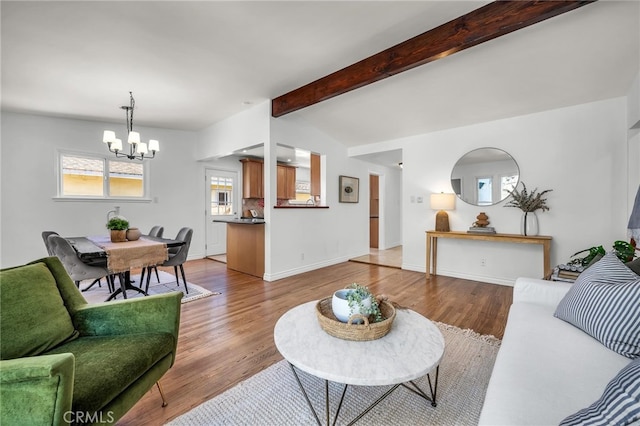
(242, 221)
(245, 245)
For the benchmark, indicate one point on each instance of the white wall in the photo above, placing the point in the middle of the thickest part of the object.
(306, 239)
(633, 144)
(245, 129)
(579, 152)
(28, 146)
(299, 240)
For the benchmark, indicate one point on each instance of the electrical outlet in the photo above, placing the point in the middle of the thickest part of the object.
(301, 256)
(483, 262)
(420, 199)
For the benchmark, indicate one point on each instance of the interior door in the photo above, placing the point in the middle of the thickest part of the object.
(374, 211)
(221, 202)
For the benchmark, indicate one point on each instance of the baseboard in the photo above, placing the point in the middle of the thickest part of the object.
(484, 279)
(472, 277)
(305, 268)
(391, 245)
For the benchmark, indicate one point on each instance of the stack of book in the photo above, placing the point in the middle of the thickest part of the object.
(567, 273)
(482, 230)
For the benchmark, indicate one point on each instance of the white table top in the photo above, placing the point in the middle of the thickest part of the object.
(413, 347)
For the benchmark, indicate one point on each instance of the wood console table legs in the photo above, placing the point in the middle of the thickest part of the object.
(432, 246)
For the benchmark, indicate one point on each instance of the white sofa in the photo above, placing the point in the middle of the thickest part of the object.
(546, 369)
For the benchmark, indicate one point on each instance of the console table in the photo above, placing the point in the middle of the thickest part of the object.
(432, 245)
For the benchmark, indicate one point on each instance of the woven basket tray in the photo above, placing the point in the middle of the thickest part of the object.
(359, 332)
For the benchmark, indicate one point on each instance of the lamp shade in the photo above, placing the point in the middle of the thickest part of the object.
(134, 137)
(142, 148)
(443, 201)
(117, 145)
(109, 136)
(154, 145)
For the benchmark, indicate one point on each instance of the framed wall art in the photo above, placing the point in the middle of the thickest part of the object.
(349, 189)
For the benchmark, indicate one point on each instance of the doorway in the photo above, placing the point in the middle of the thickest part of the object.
(379, 252)
(221, 203)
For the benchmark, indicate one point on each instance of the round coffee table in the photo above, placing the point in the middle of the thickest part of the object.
(412, 349)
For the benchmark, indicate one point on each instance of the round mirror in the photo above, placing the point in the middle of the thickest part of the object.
(484, 176)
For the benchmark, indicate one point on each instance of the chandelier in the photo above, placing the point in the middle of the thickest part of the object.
(137, 150)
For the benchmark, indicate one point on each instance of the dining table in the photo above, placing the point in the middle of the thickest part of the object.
(121, 257)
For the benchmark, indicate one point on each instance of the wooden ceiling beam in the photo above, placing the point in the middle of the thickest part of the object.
(486, 23)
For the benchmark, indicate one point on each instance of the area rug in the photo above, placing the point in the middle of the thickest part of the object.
(273, 397)
(167, 284)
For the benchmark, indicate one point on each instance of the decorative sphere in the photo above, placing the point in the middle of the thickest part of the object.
(133, 234)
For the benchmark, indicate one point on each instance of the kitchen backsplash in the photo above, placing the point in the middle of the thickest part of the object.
(256, 204)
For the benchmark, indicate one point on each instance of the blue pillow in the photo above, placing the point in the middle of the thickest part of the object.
(618, 405)
(604, 302)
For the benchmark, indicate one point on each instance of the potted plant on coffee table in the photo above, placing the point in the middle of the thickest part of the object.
(356, 299)
(118, 227)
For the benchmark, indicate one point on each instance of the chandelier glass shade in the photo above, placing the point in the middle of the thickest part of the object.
(137, 150)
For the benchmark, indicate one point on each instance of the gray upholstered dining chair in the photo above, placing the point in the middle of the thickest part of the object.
(177, 256)
(156, 231)
(45, 236)
(76, 268)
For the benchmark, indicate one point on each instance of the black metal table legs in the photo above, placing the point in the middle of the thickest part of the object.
(125, 284)
(413, 387)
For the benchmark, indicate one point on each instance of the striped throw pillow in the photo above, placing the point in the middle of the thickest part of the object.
(618, 405)
(604, 302)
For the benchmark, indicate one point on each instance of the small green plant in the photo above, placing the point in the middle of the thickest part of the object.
(528, 201)
(356, 297)
(622, 249)
(118, 224)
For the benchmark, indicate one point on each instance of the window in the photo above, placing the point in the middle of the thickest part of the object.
(221, 196)
(126, 179)
(98, 177)
(485, 189)
(507, 184)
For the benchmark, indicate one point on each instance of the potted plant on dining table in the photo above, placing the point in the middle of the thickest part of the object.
(118, 227)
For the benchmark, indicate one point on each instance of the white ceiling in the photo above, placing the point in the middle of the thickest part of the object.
(191, 64)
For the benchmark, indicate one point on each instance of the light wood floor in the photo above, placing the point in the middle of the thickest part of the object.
(218, 257)
(228, 338)
(390, 257)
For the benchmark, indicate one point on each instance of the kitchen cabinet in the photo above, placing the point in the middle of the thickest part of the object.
(315, 175)
(286, 182)
(245, 248)
(252, 180)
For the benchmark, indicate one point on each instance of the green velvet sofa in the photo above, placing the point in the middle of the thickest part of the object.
(63, 361)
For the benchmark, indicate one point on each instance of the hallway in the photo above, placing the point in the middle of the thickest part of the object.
(391, 257)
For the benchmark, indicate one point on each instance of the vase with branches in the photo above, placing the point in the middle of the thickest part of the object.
(529, 202)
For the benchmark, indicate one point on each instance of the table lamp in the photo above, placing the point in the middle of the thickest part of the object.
(442, 202)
